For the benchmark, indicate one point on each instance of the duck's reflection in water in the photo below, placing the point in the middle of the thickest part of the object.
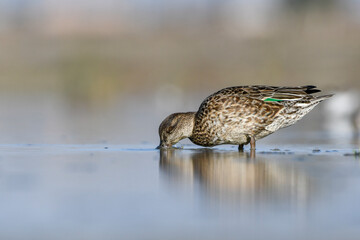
(231, 178)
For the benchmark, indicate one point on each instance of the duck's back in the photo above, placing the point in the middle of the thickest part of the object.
(231, 115)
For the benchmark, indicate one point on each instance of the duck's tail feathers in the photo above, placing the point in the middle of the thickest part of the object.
(319, 99)
(324, 97)
(310, 89)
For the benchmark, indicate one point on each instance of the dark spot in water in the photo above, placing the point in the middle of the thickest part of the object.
(300, 158)
(268, 152)
(316, 150)
(106, 147)
(355, 154)
(275, 149)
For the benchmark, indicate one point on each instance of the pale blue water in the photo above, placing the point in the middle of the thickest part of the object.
(74, 170)
(102, 191)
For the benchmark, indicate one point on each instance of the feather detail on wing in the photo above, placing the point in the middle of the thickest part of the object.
(273, 93)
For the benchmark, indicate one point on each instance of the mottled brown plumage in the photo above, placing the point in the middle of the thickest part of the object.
(240, 115)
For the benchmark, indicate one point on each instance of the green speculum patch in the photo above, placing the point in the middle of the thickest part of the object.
(273, 100)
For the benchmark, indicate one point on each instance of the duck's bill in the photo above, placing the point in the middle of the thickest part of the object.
(162, 145)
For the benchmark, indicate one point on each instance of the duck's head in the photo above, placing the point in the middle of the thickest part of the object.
(175, 127)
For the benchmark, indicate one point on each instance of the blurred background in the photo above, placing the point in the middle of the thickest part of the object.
(108, 71)
(94, 79)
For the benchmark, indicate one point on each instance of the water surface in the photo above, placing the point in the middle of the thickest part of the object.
(101, 191)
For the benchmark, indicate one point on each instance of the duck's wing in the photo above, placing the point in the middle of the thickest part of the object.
(252, 109)
(271, 93)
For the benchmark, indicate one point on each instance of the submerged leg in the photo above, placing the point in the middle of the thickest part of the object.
(252, 143)
(241, 147)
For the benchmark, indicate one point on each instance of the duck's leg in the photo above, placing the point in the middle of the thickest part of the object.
(241, 147)
(252, 142)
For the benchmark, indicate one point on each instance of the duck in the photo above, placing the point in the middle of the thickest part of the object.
(240, 115)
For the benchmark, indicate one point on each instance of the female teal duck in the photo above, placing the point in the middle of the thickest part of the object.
(240, 115)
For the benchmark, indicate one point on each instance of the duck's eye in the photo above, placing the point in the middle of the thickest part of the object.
(170, 129)
(172, 126)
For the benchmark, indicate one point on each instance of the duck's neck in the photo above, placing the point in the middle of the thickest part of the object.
(188, 122)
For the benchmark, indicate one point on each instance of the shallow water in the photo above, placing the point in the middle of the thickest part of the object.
(103, 191)
(89, 170)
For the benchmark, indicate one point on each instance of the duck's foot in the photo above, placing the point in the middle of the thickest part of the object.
(241, 147)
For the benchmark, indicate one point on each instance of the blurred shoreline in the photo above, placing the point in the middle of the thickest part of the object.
(286, 45)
